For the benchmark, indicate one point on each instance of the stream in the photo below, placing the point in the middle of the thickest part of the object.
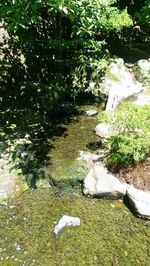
(109, 234)
(78, 135)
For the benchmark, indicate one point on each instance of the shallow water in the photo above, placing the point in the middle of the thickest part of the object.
(109, 234)
(78, 135)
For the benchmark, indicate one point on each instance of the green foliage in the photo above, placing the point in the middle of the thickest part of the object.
(58, 39)
(82, 21)
(132, 143)
(91, 68)
(88, 17)
(144, 14)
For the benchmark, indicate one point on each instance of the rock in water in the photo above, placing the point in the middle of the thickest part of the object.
(139, 201)
(66, 221)
(100, 183)
(91, 112)
(88, 159)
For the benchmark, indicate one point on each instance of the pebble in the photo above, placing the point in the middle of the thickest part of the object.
(91, 112)
(18, 248)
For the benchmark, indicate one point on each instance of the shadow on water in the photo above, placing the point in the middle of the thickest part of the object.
(29, 130)
(94, 145)
(26, 127)
(35, 83)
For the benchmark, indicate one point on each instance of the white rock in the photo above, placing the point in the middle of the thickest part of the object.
(23, 141)
(119, 83)
(142, 70)
(91, 112)
(92, 85)
(100, 183)
(129, 65)
(66, 221)
(104, 130)
(144, 64)
(143, 99)
(88, 159)
(140, 201)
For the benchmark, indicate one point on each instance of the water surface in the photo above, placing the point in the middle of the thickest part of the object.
(109, 234)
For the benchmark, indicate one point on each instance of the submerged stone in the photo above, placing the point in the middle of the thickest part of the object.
(66, 221)
(88, 158)
(91, 112)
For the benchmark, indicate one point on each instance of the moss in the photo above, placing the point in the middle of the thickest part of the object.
(109, 234)
(65, 169)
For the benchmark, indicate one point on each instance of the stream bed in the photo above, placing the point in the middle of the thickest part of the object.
(109, 234)
(64, 167)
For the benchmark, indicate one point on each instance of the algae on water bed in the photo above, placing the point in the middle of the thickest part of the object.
(64, 168)
(45, 154)
(109, 234)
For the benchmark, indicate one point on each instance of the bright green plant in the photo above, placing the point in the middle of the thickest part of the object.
(132, 143)
(86, 16)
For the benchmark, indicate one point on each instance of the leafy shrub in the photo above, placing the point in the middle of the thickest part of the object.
(132, 143)
(144, 15)
(59, 40)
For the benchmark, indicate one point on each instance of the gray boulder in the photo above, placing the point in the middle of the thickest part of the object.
(142, 71)
(100, 183)
(139, 201)
(104, 130)
(9, 183)
(119, 83)
(143, 98)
